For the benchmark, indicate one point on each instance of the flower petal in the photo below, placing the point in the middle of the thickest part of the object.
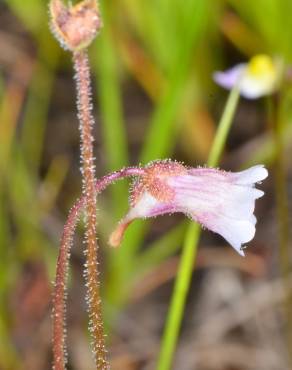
(230, 77)
(251, 175)
(254, 88)
(236, 232)
(221, 201)
(224, 198)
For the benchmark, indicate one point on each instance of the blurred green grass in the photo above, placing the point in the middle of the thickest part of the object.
(168, 50)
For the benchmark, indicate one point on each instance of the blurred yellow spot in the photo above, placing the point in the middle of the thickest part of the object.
(261, 66)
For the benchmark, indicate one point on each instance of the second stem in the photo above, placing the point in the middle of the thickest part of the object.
(190, 244)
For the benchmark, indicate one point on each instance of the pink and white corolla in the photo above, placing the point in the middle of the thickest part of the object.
(257, 78)
(220, 201)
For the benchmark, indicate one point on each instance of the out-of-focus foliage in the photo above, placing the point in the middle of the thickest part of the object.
(152, 67)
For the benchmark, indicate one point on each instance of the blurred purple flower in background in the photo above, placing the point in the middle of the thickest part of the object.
(257, 78)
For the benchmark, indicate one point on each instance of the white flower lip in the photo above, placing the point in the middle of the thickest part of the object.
(223, 202)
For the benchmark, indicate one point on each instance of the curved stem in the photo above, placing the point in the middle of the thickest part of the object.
(189, 249)
(59, 294)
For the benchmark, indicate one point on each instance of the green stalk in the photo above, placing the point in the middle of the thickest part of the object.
(223, 128)
(189, 251)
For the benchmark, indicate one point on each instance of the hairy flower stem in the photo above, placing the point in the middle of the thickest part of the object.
(59, 298)
(86, 122)
(59, 294)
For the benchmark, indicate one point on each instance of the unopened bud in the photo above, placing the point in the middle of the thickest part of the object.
(76, 26)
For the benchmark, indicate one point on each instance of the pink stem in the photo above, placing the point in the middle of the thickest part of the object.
(59, 294)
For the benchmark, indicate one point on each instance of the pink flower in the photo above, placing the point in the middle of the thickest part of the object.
(223, 202)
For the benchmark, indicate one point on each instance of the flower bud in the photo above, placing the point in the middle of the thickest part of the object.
(76, 26)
